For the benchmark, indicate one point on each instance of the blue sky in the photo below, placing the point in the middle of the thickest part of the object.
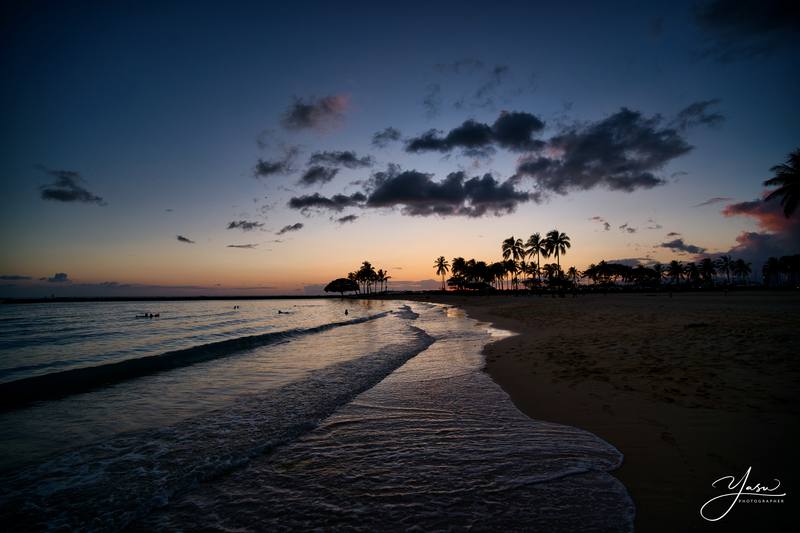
(159, 106)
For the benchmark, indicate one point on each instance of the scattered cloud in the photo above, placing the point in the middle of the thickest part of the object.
(653, 224)
(280, 166)
(673, 234)
(679, 246)
(745, 29)
(67, 188)
(59, 277)
(601, 220)
(627, 227)
(417, 194)
(715, 200)
(697, 114)
(346, 158)
(290, 227)
(347, 219)
(316, 114)
(317, 175)
(187, 240)
(385, 137)
(243, 246)
(337, 202)
(245, 225)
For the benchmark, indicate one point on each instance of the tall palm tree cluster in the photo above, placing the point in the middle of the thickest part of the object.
(782, 271)
(521, 265)
(707, 272)
(368, 280)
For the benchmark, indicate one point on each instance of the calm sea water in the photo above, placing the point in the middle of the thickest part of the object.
(378, 419)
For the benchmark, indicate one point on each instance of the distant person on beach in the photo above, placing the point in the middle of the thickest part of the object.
(346, 313)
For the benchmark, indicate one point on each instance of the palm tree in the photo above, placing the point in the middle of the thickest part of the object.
(513, 249)
(707, 270)
(381, 277)
(442, 268)
(741, 269)
(725, 265)
(675, 271)
(573, 274)
(536, 246)
(557, 243)
(787, 179)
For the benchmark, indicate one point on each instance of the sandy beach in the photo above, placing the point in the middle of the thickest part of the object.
(689, 388)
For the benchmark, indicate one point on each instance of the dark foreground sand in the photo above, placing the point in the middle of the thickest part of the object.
(689, 388)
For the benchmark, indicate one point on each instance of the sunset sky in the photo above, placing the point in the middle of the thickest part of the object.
(227, 148)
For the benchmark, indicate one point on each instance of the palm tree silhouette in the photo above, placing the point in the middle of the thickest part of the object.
(741, 269)
(442, 268)
(675, 271)
(725, 265)
(573, 274)
(557, 243)
(787, 179)
(536, 246)
(513, 251)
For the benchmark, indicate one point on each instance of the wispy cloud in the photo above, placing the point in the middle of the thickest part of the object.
(245, 225)
(67, 188)
(317, 114)
(290, 227)
(186, 240)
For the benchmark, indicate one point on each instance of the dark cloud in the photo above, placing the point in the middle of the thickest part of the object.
(346, 219)
(715, 200)
(673, 234)
(245, 225)
(317, 175)
(620, 152)
(697, 114)
(315, 114)
(515, 131)
(432, 102)
(383, 138)
(627, 227)
(512, 131)
(11, 277)
(243, 246)
(290, 227)
(67, 188)
(457, 195)
(187, 240)
(59, 277)
(337, 202)
(742, 29)
(280, 166)
(680, 246)
(346, 158)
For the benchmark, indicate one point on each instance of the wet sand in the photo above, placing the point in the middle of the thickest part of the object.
(689, 388)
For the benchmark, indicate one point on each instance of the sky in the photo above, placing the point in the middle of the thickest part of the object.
(255, 148)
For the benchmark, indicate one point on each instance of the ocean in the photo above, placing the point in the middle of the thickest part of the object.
(279, 414)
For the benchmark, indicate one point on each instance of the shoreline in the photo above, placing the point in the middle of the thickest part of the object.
(652, 386)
